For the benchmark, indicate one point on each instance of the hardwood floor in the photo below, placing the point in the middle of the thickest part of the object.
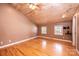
(40, 47)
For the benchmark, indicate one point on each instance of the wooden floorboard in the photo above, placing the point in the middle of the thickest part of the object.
(40, 47)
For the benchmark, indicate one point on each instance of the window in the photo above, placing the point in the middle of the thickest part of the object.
(58, 30)
(44, 30)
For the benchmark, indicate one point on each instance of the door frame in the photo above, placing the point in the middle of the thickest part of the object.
(74, 31)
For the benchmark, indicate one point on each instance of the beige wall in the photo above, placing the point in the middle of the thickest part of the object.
(14, 26)
(50, 30)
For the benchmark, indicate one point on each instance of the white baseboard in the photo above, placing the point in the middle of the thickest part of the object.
(18, 42)
(56, 39)
(30, 39)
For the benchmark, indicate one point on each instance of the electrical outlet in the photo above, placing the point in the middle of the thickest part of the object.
(10, 41)
(1, 43)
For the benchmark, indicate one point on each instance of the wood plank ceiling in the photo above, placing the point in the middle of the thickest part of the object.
(47, 13)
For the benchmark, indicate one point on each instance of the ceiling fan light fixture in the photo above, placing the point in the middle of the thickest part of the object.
(30, 6)
(33, 7)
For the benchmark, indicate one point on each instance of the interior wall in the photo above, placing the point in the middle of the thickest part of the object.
(14, 26)
(50, 30)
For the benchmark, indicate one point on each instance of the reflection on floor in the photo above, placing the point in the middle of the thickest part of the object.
(40, 47)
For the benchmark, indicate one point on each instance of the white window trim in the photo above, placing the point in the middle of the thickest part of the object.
(60, 28)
